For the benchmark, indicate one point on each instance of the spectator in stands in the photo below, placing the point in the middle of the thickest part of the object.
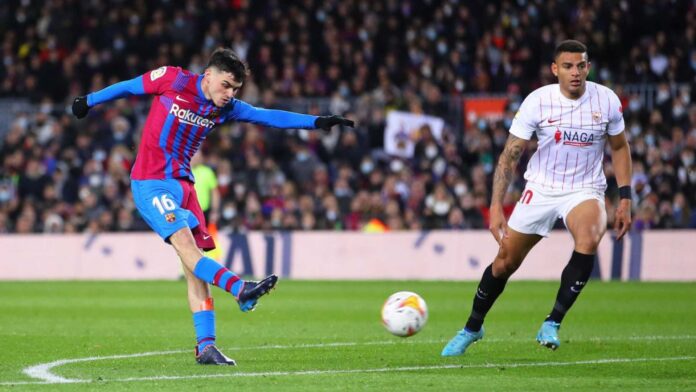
(420, 57)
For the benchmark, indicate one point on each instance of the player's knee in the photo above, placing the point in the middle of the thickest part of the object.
(587, 244)
(505, 265)
(183, 242)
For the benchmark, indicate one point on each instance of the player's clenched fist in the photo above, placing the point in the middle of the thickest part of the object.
(80, 107)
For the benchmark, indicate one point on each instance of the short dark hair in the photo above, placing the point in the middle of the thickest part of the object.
(226, 60)
(569, 45)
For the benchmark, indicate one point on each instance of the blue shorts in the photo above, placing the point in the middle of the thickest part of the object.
(170, 205)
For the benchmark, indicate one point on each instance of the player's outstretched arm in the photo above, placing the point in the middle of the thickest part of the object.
(621, 160)
(82, 104)
(242, 111)
(507, 163)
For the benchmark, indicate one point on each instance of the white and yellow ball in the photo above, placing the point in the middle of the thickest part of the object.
(404, 313)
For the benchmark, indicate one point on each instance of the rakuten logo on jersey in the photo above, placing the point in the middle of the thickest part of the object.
(188, 117)
(570, 138)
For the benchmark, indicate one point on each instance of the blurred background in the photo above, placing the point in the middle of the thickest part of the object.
(433, 86)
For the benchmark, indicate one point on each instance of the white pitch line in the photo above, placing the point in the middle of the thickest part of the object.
(410, 368)
(375, 370)
(44, 371)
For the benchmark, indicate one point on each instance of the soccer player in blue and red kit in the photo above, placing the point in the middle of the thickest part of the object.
(185, 108)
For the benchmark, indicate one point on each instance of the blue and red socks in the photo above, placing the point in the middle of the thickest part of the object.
(210, 271)
(204, 323)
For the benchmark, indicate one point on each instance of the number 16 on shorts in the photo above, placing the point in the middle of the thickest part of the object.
(164, 204)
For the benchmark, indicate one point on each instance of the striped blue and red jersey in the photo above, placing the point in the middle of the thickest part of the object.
(181, 117)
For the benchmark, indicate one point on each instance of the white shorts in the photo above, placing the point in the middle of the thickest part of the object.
(537, 210)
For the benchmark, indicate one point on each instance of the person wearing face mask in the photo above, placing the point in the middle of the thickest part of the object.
(303, 165)
(186, 107)
(573, 121)
(426, 148)
(228, 216)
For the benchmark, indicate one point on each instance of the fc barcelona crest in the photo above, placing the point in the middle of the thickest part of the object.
(597, 117)
(215, 113)
(170, 217)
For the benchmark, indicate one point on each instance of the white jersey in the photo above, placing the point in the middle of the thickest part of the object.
(571, 136)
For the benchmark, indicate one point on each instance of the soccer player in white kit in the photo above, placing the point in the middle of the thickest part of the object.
(572, 120)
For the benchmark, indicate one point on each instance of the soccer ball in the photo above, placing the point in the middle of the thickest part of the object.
(404, 313)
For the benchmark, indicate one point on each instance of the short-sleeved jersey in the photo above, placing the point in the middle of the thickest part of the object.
(181, 117)
(571, 135)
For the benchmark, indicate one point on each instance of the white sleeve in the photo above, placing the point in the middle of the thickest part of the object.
(616, 121)
(525, 122)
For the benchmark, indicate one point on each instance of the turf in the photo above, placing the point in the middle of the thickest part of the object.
(311, 335)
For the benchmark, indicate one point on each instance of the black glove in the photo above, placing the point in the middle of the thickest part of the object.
(80, 107)
(326, 122)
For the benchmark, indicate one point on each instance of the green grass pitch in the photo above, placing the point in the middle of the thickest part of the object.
(317, 335)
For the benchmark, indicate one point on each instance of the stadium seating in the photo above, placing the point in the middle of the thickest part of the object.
(361, 59)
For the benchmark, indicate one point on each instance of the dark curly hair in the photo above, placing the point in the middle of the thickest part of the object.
(226, 60)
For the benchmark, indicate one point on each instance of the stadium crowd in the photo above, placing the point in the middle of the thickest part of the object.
(364, 59)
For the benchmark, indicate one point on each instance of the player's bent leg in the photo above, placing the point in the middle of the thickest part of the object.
(204, 268)
(198, 290)
(587, 223)
(185, 245)
(512, 252)
(246, 293)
